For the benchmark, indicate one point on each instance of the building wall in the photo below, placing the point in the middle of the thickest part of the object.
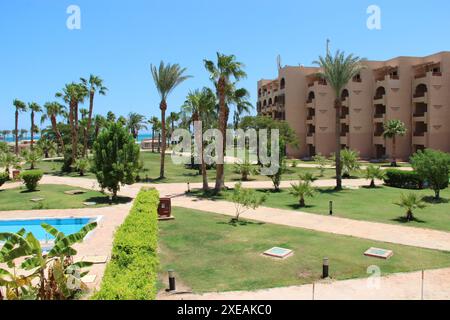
(399, 77)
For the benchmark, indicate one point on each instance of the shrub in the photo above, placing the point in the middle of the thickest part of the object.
(245, 199)
(132, 272)
(432, 166)
(3, 178)
(31, 179)
(403, 179)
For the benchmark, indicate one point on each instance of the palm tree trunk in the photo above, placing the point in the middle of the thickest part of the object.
(89, 122)
(338, 106)
(220, 183)
(17, 132)
(409, 216)
(72, 119)
(163, 147)
(57, 133)
(153, 139)
(394, 156)
(204, 173)
(302, 202)
(32, 130)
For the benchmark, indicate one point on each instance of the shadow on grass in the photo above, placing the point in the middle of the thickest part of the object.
(30, 191)
(298, 207)
(405, 221)
(105, 200)
(433, 200)
(241, 223)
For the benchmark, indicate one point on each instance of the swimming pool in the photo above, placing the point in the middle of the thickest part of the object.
(67, 226)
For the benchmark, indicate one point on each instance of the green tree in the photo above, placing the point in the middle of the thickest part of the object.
(410, 202)
(392, 129)
(32, 157)
(245, 199)
(166, 78)
(433, 167)
(245, 169)
(73, 94)
(338, 71)
(19, 107)
(374, 172)
(99, 123)
(34, 108)
(173, 118)
(116, 158)
(82, 165)
(52, 111)
(199, 106)
(223, 73)
(155, 123)
(302, 190)
(46, 147)
(349, 162)
(135, 123)
(94, 84)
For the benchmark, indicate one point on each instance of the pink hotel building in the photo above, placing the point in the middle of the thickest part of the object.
(415, 90)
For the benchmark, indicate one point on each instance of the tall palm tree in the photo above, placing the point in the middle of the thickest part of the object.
(20, 107)
(35, 108)
(73, 94)
(338, 71)
(392, 129)
(52, 111)
(99, 122)
(154, 122)
(240, 98)
(199, 106)
(221, 73)
(166, 78)
(135, 123)
(94, 84)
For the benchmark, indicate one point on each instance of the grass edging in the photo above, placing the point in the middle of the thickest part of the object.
(132, 272)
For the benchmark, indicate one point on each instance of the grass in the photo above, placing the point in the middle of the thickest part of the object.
(179, 173)
(365, 204)
(209, 254)
(54, 198)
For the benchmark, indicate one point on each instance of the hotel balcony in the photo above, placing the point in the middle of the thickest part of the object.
(389, 81)
(379, 118)
(430, 78)
(420, 97)
(420, 117)
(379, 140)
(379, 99)
(344, 140)
(310, 139)
(420, 138)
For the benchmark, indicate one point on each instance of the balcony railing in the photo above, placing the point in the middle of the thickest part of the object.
(378, 97)
(419, 114)
(419, 95)
(379, 115)
(419, 133)
(310, 134)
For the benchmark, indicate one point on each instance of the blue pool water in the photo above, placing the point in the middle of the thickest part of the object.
(67, 226)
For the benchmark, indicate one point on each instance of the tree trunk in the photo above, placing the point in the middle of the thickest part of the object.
(302, 202)
(437, 194)
(163, 146)
(72, 119)
(338, 106)
(153, 140)
(220, 180)
(57, 133)
(17, 132)
(409, 216)
(204, 173)
(89, 122)
(394, 152)
(372, 183)
(32, 130)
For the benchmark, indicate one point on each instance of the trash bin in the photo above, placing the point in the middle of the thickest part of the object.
(165, 208)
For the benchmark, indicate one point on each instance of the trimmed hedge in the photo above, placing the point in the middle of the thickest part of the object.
(132, 272)
(31, 178)
(403, 179)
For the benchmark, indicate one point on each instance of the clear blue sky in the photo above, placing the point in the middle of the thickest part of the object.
(120, 39)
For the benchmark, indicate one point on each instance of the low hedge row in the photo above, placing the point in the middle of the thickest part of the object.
(403, 179)
(132, 272)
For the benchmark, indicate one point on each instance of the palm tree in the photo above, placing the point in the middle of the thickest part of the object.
(35, 108)
(166, 78)
(172, 118)
(20, 107)
(52, 111)
(374, 172)
(302, 190)
(99, 122)
(410, 202)
(135, 123)
(199, 106)
(338, 71)
(154, 121)
(221, 73)
(73, 94)
(94, 84)
(240, 99)
(392, 129)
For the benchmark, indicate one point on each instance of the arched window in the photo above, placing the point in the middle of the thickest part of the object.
(270, 101)
(344, 94)
(381, 91)
(311, 97)
(421, 89)
(282, 83)
(265, 103)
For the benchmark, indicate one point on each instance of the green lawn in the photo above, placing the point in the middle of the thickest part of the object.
(179, 173)
(209, 254)
(366, 204)
(54, 198)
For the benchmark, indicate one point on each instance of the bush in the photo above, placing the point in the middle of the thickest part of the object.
(132, 272)
(31, 179)
(3, 178)
(403, 179)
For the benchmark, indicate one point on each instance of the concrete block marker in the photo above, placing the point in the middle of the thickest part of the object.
(379, 253)
(279, 253)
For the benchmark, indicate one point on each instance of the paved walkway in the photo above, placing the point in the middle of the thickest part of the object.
(402, 286)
